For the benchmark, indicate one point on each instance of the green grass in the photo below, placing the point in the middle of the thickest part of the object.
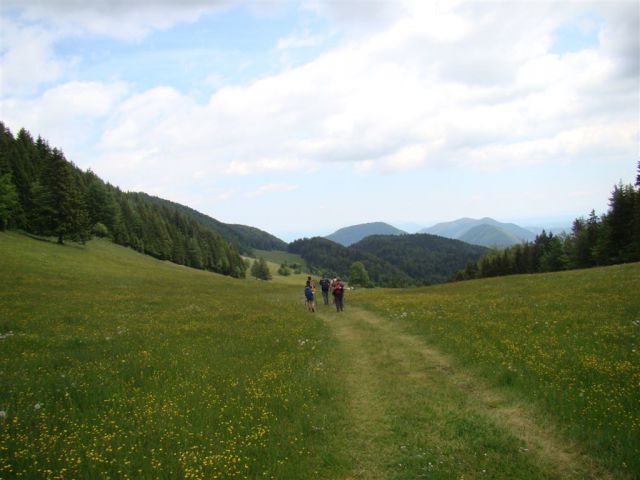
(116, 365)
(274, 259)
(568, 342)
(409, 418)
(279, 257)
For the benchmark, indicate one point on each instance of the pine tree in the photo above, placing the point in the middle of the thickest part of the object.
(260, 269)
(619, 221)
(60, 209)
(9, 204)
(100, 203)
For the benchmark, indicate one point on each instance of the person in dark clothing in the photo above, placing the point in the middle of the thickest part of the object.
(308, 294)
(338, 295)
(324, 284)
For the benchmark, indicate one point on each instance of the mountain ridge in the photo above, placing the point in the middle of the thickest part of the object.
(489, 236)
(347, 236)
(457, 229)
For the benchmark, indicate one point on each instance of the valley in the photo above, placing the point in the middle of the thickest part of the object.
(116, 364)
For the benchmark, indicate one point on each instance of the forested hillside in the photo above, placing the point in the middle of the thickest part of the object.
(425, 258)
(245, 237)
(391, 260)
(325, 256)
(44, 194)
(595, 241)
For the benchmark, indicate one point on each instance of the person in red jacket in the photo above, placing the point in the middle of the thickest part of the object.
(338, 295)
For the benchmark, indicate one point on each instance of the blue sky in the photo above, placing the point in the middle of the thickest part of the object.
(303, 117)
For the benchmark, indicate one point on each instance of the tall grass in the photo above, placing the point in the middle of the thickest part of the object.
(116, 365)
(569, 342)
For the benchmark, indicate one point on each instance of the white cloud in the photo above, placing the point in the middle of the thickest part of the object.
(27, 59)
(270, 188)
(612, 140)
(299, 41)
(67, 114)
(263, 165)
(424, 85)
(125, 19)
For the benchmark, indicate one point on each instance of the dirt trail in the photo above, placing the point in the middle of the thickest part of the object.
(409, 402)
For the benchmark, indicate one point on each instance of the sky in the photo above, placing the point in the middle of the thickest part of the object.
(302, 117)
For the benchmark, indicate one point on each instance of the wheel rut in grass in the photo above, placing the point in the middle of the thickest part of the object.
(414, 414)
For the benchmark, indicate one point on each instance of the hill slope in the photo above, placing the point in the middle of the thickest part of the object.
(244, 236)
(425, 258)
(126, 366)
(457, 228)
(349, 235)
(489, 236)
(325, 256)
(119, 365)
(564, 342)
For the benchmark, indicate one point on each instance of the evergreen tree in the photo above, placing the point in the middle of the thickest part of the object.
(100, 203)
(61, 201)
(260, 269)
(619, 221)
(9, 204)
(194, 254)
(6, 149)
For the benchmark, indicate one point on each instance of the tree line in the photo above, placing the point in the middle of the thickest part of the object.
(389, 260)
(425, 258)
(326, 257)
(42, 193)
(611, 238)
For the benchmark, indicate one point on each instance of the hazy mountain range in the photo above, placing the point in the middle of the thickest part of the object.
(486, 232)
(349, 235)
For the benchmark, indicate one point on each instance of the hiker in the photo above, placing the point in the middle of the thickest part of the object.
(332, 285)
(338, 295)
(308, 294)
(324, 284)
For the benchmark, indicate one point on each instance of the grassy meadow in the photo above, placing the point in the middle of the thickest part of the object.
(567, 342)
(279, 257)
(116, 365)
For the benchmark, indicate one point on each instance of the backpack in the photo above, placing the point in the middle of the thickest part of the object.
(338, 290)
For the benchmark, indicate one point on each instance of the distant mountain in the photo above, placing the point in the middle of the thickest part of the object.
(555, 229)
(459, 228)
(349, 235)
(425, 258)
(245, 237)
(489, 236)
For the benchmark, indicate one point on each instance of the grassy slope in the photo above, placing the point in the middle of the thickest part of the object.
(144, 369)
(272, 258)
(568, 342)
(279, 256)
(116, 365)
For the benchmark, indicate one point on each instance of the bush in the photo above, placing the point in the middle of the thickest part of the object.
(100, 230)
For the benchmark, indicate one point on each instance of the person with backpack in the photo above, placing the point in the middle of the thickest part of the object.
(308, 294)
(324, 285)
(338, 295)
